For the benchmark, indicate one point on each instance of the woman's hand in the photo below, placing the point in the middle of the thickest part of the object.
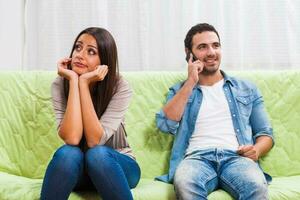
(97, 75)
(62, 69)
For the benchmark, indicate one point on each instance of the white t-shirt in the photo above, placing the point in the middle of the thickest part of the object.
(214, 127)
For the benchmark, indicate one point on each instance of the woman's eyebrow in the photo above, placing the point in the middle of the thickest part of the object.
(92, 46)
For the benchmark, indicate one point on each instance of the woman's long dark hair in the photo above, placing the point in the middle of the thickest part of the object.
(102, 91)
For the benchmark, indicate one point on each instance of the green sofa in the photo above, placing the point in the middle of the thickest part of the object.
(28, 133)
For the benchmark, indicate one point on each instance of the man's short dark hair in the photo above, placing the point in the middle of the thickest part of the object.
(199, 28)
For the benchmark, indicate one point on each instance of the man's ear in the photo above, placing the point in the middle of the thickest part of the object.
(187, 54)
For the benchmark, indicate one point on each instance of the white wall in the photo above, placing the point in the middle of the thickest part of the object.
(11, 34)
(255, 34)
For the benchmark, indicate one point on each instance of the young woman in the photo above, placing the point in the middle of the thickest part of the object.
(90, 99)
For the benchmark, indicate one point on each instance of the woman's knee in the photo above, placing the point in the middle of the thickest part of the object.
(98, 155)
(67, 157)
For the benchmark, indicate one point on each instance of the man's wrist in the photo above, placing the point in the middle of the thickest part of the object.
(190, 83)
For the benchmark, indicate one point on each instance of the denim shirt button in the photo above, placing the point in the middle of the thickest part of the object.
(233, 115)
(238, 130)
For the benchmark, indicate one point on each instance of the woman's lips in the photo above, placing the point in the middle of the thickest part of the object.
(80, 65)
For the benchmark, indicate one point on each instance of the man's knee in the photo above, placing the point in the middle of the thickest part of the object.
(246, 186)
(256, 189)
(181, 185)
(190, 183)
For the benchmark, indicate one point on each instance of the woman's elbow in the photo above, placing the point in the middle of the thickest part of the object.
(92, 143)
(70, 139)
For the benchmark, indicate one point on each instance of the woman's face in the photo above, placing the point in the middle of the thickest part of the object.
(85, 57)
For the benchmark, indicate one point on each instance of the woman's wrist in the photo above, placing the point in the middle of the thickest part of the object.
(83, 82)
(73, 80)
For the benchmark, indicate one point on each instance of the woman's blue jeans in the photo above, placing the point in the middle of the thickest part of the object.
(102, 168)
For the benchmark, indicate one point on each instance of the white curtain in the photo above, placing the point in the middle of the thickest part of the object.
(11, 34)
(255, 34)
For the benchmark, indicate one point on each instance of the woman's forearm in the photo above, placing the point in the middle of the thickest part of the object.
(93, 130)
(71, 128)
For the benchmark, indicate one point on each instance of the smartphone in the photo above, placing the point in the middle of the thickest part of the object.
(187, 58)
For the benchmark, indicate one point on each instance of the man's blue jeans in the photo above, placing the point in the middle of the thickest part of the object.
(101, 167)
(204, 171)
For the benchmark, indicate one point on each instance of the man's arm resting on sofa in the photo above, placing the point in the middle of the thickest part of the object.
(262, 146)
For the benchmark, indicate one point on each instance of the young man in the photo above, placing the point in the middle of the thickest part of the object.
(220, 125)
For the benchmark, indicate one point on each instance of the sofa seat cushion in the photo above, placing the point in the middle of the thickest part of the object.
(281, 188)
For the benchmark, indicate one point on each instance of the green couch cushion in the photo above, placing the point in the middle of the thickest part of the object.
(15, 187)
(27, 125)
(28, 131)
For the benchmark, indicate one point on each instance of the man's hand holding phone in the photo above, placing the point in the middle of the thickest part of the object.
(194, 69)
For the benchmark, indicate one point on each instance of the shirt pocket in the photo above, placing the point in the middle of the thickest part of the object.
(245, 105)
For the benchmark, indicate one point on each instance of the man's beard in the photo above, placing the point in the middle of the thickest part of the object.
(208, 71)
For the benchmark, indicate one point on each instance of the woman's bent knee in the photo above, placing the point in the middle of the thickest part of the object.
(98, 154)
(67, 157)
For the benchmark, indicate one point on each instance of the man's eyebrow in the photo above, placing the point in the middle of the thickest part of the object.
(201, 44)
(205, 44)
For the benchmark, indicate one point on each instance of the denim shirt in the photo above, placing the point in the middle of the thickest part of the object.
(248, 114)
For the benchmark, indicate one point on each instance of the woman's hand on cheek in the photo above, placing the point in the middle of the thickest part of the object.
(62, 69)
(97, 75)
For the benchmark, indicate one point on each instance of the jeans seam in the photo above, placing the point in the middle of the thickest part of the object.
(230, 186)
(208, 180)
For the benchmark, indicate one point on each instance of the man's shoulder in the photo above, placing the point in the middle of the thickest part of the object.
(177, 86)
(241, 83)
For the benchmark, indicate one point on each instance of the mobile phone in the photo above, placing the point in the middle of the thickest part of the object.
(187, 58)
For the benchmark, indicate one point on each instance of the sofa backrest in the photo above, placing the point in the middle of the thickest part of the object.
(27, 126)
(28, 131)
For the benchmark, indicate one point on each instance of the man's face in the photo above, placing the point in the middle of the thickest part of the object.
(207, 48)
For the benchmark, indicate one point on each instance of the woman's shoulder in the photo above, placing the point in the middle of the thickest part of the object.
(57, 86)
(123, 86)
(58, 81)
(122, 83)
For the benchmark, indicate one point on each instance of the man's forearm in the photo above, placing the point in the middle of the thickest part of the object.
(263, 144)
(175, 107)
